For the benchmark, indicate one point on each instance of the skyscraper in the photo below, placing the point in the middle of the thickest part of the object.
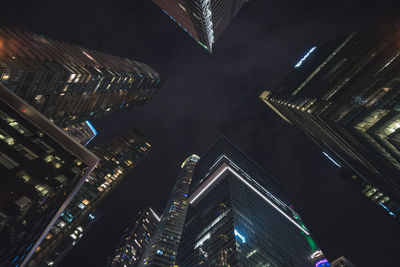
(135, 239)
(239, 216)
(345, 95)
(163, 247)
(68, 242)
(117, 158)
(41, 169)
(83, 132)
(203, 20)
(70, 84)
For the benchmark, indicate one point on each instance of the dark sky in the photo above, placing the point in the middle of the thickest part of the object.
(205, 95)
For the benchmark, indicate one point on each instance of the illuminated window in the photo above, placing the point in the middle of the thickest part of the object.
(61, 224)
(23, 202)
(23, 175)
(85, 201)
(42, 189)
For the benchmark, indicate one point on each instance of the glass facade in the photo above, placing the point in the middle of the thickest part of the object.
(83, 132)
(202, 20)
(135, 239)
(239, 216)
(163, 247)
(345, 95)
(117, 158)
(71, 84)
(41, 170)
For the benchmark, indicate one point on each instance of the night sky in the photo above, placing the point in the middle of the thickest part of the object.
(205, 95)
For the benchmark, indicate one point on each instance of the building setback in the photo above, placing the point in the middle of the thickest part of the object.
(117, 158)
(41, 169)
(345, 95)
(239, 216)
(203, 20)
(135, 239)
(163, 247)
(70, 84)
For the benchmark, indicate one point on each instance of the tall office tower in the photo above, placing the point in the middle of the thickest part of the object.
(83, 132)
(345, 96)
(41, 169)
(163, 247)
(135, 239)
(342, 262)
(203, 20)
(70, 84)
(117, 158)
(68, 243)
(239, 216)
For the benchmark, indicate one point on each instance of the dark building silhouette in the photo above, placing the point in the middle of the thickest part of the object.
(203, 20)
(345, 95)
(41, 170)
(135, 239)
(239, 216)
(117, 158)
(70, 84)
(163, 247)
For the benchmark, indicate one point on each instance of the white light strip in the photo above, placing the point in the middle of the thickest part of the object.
(331, 159)
(154, 214)
(218, 174)
(305, 57)
(224, 167)
(202, 240)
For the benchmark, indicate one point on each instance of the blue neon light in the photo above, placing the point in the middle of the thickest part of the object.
(386, 208)
(331, 159)
(240, 236)
(15, 259)
(92, 129)
(123, 102)
(322, 263)
(305, 57)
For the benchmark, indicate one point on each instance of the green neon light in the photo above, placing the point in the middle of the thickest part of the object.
(203, 45)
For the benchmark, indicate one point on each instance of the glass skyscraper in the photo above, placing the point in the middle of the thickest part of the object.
(135, 239)
(163, 247)
(345, 95)
(203, 20)
(69, 84)
(41, 170)
(83, 132)
(239, 216)
(117, 158)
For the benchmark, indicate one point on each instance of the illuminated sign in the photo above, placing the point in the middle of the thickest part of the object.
(305, 57)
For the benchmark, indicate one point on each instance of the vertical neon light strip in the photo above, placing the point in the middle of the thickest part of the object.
(155, 214)
(92, 129)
